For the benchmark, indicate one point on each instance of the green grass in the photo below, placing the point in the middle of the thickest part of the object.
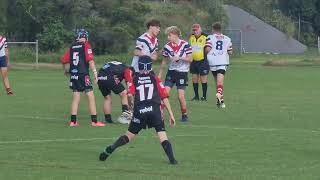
(269, 130)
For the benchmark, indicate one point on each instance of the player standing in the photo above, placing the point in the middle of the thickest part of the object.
(80, 58)
(148, 92)
(4, 64)
(179, 54)
(109, 79)
(147, 44)
(199, 67)
(218, 49)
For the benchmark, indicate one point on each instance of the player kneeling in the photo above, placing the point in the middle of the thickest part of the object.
(109, 79)
(148, 93)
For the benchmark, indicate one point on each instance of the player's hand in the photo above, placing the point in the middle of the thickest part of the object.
(172, 121)
(154, 56)
(66, 73)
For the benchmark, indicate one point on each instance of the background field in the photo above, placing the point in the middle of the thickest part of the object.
(270, 130)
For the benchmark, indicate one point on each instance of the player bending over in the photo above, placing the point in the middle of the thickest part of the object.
(218, 48)
(178, 53)
(109, 79)
(80, 58)
(148, 92)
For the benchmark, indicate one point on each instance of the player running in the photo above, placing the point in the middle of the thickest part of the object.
(199, 67)
(218, 49)
(80, 58)
(4, 64)
(147, 44)
(178, 53)
(109, 79)
(148, 92)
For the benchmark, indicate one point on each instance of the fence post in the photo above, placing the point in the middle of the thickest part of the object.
(37, 54)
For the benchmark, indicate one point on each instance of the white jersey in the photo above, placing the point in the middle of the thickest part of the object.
(220, 45)
(3, 46)
(182, 49)
(147, 45)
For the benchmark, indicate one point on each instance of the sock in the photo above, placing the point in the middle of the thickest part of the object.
(195, 89)
(122, 140)
(73, 118)
(107, 117)
(204, 89)
(168, 149)
(220, 89)
(183, 111)
(125, 107)
(94, 118)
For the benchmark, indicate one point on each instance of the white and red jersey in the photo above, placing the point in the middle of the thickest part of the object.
(220, 45)
(148, 45)
(182, 49)
(3, 46)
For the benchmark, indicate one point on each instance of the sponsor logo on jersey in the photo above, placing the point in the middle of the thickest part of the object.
(76, 47)
(74, 77)
(146, 109)
(103, 78)
(74, 71)
(144, 80)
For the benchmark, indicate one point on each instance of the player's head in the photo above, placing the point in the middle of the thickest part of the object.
(173, 33)
(82, 35)
(196, 29)
(144, 64)
(154, 27)
(217, 27)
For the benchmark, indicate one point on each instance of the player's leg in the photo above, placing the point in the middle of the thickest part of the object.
(183, 103)
(195, 80)
(93, 108)
(4, 74)
(169, 81)
(204, 70)
(104, 88)
(167, 147)
(74, 108)
(107, 108)
(134, 128)
(220, 87)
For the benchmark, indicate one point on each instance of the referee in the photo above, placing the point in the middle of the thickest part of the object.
(199, 67)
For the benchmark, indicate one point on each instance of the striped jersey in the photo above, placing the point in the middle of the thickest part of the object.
(3, 46)
(220, 45)
(148, 45)
(182, 49)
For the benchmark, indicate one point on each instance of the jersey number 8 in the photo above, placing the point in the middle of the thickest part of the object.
(219, 45)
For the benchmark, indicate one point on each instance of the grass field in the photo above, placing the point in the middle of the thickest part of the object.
(269, 130)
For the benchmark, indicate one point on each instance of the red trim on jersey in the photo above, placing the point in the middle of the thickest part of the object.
(161, 89)
(128, 75)
(88, 52)
(176, 47)
(66, 57)
(131, 88)
(152, 39)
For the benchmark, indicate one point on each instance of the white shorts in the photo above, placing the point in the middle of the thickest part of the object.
(216, 68)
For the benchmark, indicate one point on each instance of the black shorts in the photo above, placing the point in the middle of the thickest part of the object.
(200, 67)
(110, 83)
(219, 71)
(147, 116)
(180, 79)
(80, 83)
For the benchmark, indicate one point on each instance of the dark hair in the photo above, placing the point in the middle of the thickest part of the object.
(217, 26)
(153, 22)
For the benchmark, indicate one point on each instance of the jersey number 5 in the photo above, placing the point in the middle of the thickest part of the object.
(75, 58)
(142, 89)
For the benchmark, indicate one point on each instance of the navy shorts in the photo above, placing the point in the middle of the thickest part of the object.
(180, 79)
(3, 62)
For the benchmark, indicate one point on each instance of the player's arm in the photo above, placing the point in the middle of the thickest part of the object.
(137, 52)
(7, 54)
(92, 66)
(65, 59)
(131, 94)
(162, 66)
(207, 46)
(164, 97)
(230, 50)
(155, 55)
